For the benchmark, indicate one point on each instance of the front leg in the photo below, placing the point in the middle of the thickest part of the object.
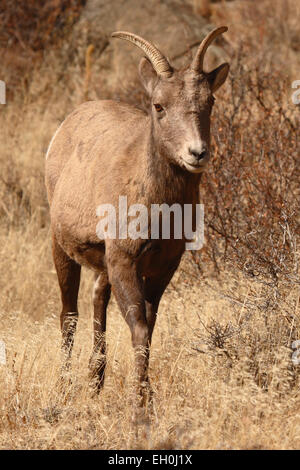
(154, 289)
(127, 286)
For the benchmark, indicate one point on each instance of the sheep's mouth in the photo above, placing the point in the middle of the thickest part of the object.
(194, 167)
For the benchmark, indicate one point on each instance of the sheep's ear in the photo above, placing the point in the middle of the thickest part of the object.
(147, 74)
(218, 76)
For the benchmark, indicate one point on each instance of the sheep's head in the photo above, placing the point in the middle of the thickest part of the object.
(181, 102)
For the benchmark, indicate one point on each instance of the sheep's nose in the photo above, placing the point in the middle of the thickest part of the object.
(198, 155)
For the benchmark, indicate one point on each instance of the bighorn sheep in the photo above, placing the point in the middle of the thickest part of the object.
(104, 149)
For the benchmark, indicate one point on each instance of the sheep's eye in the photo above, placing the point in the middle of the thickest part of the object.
(158, 108)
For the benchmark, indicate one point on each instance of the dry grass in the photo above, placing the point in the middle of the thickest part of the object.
(222, 385)
(233, 393)
(221, 364)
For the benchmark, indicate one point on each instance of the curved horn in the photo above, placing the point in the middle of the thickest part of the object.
(158, 60)
(197, 63)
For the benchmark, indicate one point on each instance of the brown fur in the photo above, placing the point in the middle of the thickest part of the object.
(105, 149)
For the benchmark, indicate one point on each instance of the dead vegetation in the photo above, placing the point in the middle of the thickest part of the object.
(221, 363)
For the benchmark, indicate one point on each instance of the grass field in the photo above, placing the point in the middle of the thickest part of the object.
(221, 361)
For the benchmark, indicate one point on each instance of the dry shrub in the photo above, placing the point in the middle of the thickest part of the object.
(36, 24)
(251, 189)
(29, 28)
(252, 205)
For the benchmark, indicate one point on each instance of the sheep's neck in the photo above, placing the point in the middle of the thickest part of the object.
(166, 181)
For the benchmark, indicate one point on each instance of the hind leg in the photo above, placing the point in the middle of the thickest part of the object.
(68, 273)
(101, 296)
